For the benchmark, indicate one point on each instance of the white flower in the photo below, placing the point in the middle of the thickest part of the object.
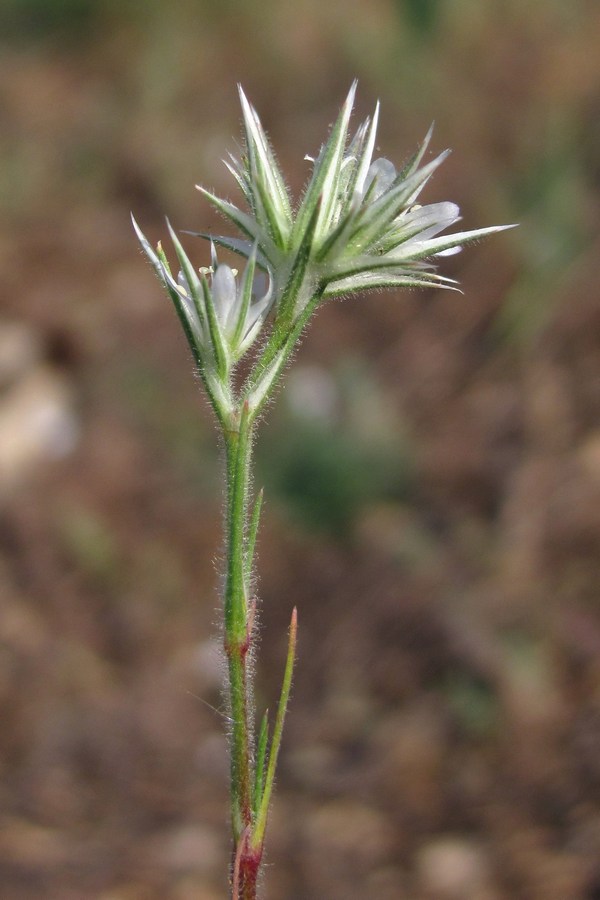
(222, 319)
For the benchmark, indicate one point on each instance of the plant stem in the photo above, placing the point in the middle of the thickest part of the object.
(238, 446)
(248, 810)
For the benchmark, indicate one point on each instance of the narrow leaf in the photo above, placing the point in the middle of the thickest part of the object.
(260, 824)
(261, 755)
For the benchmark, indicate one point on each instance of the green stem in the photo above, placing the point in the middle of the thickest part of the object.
(238, 445)
(251, 783)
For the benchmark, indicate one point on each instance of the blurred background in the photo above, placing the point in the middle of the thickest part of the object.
(432, 468)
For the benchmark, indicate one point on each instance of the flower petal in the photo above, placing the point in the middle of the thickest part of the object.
(381, 175)
(224, 292)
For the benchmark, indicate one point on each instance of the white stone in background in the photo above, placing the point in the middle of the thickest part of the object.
(37, 424)
(20, 348)
(454, 868)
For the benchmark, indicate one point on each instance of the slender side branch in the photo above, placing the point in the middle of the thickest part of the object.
(258, 833)
(261, 755)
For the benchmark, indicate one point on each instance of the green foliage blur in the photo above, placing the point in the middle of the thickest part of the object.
(327, 467)
(422, 15)
(31, 21)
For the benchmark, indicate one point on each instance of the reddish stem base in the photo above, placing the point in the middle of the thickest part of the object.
(245, 870)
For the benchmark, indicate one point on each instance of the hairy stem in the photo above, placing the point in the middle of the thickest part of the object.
(238, 446)
(250, 788)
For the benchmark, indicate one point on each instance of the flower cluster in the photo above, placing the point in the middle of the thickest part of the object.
(358, 226)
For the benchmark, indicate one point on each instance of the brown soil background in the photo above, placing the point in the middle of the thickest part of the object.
(436, 520)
